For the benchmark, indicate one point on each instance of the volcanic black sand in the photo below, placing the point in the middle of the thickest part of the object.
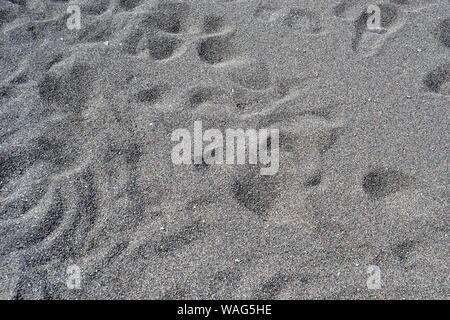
(86, 176)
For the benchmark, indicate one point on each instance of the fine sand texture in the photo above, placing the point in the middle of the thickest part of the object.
(86, 176)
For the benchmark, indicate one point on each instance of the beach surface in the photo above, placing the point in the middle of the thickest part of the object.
(92, 206)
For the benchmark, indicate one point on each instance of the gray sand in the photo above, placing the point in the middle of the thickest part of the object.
(86, 176)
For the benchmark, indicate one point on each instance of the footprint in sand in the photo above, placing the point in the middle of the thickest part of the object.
(166, 32)
(380, 183)
(216, 49)
(164, 47)
(173, 17)
(214, 24)
(68, 89)
(152, 95)
(200, 95)
(171, 28)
